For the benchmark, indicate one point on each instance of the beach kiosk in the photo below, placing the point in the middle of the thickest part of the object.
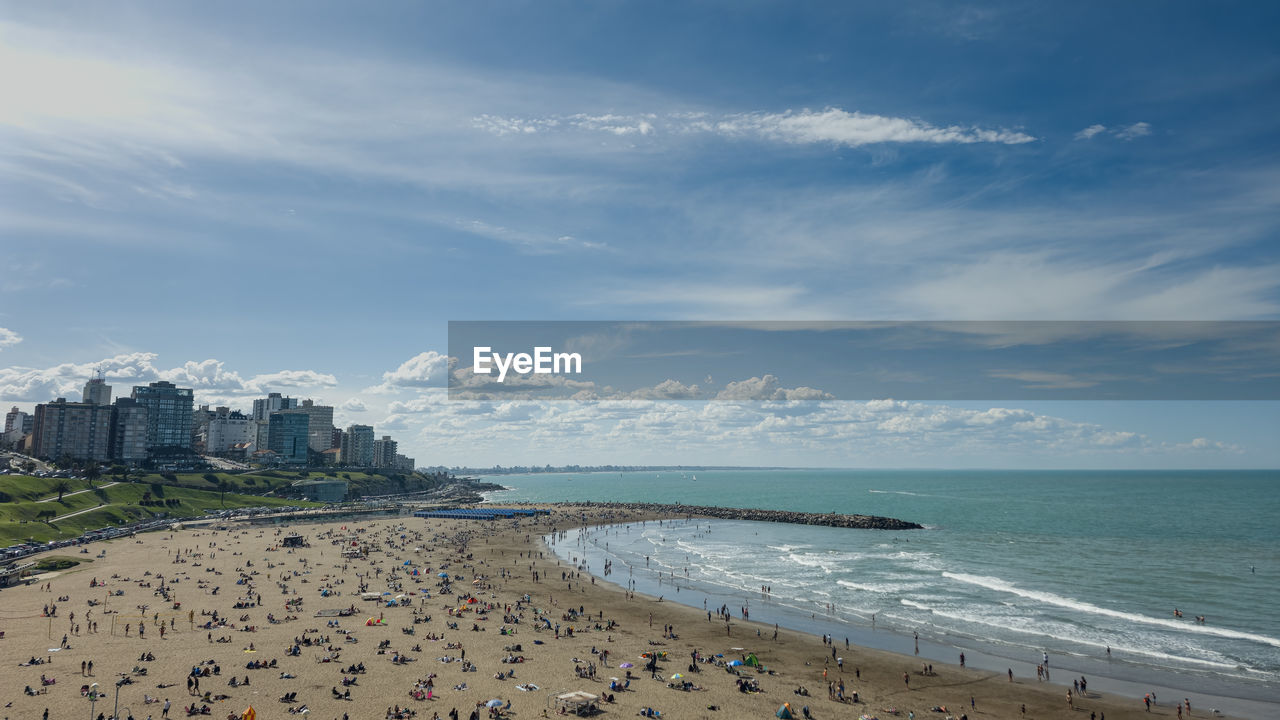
(294, 541)
(578, 702)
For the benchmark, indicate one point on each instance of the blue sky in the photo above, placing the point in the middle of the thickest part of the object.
(299, 196)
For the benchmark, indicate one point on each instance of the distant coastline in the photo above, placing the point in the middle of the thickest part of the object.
(529, 470)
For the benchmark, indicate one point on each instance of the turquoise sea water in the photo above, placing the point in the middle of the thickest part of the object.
(1012, 564)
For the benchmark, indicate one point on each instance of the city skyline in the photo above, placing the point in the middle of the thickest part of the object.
(243, 199)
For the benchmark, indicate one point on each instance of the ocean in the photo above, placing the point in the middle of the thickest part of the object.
(1012, 564)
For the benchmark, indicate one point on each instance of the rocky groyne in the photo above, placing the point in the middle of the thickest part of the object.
(862, 522)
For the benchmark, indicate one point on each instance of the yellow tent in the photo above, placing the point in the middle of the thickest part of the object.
(249, 714)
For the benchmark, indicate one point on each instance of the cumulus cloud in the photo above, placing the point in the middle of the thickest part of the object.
(291, 379)
(211, 379)
(354, 405)
(204, 375)
(26, 384)
(419, 371)
(750, 431)
(8, 337)
(831, 125)
(767, 389)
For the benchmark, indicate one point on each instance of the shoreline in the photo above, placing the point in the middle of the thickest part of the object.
(1237, 700)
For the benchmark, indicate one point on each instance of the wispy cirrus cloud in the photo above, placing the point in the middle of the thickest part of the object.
(833, 126)
(1090, 131)
(1136, 130)
(1124, 132)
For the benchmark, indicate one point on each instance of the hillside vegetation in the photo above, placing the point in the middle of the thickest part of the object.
(30, 509)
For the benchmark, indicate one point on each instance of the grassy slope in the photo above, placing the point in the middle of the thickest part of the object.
(18, 520)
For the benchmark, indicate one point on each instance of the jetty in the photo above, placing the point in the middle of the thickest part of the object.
(840, 520)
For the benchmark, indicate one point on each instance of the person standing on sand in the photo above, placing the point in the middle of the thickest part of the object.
(906, 680)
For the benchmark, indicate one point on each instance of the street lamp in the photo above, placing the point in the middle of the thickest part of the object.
(115, 713)
(93, 698)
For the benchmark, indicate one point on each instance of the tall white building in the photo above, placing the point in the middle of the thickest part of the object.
(16, 425)
(227, 429)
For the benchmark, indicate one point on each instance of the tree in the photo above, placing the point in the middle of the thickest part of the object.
(62, 486)
(223, 485)
(92, 472)
(210, 478)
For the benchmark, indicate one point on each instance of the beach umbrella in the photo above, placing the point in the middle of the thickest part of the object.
(677, 676)
(493, 703)
(443, 575)
(626, 665)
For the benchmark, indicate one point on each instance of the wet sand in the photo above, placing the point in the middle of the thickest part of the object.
(496, 564)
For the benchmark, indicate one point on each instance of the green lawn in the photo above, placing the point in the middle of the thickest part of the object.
(23, 519)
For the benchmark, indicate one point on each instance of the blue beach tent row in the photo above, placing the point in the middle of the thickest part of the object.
(480, 513)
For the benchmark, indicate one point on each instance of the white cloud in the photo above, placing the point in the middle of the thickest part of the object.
(840, 127)
(25, 384)
(291, 379)
(767, 389)
(1135, 130)
(1040, 380)
(1090, 131)
(426, 369)
(1039, 286)
(831, 125)
(210, 379)
(353, 405)
(205, 375)
(8, 337)
(524, 240)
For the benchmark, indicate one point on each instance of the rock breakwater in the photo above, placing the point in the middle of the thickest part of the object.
(840, 520)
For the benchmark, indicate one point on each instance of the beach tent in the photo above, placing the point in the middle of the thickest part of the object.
(734, 663)
(576, 701)
(752, 660)
(784, 712)
(249, 714)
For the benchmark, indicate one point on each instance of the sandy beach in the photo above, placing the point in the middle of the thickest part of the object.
(235, 598)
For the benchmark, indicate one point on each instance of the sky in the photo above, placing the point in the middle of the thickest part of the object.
(299, 196)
